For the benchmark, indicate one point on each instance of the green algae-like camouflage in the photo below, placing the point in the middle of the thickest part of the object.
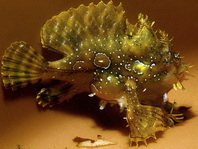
(108, 57)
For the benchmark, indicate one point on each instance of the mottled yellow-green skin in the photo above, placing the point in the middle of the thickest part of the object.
(103, 54)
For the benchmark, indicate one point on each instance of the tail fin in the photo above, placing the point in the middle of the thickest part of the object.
(21, 65)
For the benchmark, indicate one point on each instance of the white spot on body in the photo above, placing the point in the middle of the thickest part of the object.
(128, 67)
(109, 78)
(144, 90)
(122, 102)
(165, 97)
(92, 94)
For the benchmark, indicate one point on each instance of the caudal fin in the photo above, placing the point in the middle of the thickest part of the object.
(21, 65)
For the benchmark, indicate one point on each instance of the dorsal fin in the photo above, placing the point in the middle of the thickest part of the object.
(65, 32)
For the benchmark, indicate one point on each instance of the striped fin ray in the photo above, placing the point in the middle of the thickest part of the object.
(21, 65)
(84, 27)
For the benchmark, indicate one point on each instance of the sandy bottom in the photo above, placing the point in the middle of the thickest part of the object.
(24, 123)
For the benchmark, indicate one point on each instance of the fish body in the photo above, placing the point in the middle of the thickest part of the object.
(105, 55)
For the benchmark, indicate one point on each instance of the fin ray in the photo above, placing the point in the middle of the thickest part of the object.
(80, 28)
(21, 65)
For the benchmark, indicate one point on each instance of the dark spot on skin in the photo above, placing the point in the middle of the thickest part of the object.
(79, 65)
(102, 60)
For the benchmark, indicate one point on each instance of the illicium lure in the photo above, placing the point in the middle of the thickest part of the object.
(105, 55)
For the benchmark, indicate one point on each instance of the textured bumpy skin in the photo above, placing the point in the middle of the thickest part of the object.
(103, 54)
